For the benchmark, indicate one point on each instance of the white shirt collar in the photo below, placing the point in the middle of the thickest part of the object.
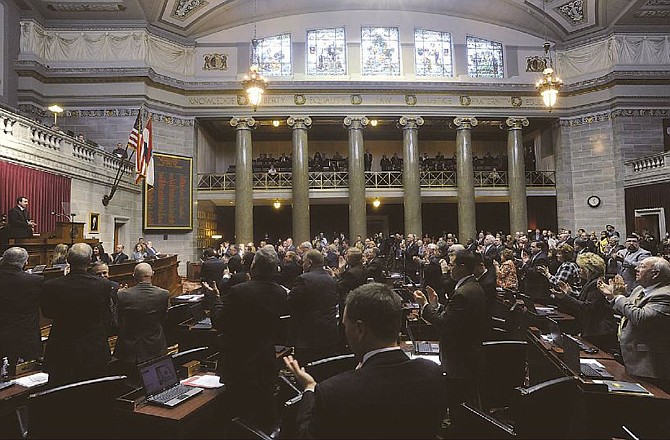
(369, 354)
(462, 280)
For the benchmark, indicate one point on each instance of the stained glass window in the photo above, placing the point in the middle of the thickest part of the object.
(380, 51)
(485, 58)
(432, 53)
(273, 55)
(326, 52)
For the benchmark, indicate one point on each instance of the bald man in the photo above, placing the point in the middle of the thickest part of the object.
(141, 310)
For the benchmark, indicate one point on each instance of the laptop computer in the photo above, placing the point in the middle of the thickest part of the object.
(161, 383)
(571, 349)
(530, 305)
(422, 347)
(39, 269)
(201, 320)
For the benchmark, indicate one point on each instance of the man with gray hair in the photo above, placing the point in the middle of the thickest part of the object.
(78, 303)
(19, 308)
(248, 319)
(141, 310)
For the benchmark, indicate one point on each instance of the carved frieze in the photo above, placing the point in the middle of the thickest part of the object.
(184, 8)
(215, 61)
(574, 11)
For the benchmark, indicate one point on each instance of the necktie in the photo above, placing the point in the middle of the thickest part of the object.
(636, 302)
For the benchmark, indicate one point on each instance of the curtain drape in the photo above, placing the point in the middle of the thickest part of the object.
(46, 193)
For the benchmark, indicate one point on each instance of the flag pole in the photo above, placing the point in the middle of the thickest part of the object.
(119, 172)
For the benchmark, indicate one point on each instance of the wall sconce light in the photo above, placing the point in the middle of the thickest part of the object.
(276, 204)
(376, 203)
(374, 122)
(275, 123)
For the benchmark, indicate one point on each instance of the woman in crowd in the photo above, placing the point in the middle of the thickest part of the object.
(593, 312)
(568, 271)
(507, 278)
(60, 254)
(138, 253)
(99, 254)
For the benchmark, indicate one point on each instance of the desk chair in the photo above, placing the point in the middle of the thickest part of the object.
(477, 425)
(547, 410)
(328, 367)
(504, 371)
(78, 410)
(175, 315)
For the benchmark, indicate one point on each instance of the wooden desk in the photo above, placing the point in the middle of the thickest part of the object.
(198, 417)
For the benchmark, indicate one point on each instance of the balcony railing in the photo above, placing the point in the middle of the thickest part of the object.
(647, 170)
(648, 163)
(374, 179)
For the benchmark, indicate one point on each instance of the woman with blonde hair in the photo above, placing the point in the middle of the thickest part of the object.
(60, 254)
(594, 315)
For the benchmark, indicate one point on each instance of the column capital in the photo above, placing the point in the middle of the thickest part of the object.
(410, 122)
(356, 122)
(465, 123)
(243, 123)
(516, 123)
(299, 122)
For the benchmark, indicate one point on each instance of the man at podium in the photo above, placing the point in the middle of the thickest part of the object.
(19, 223)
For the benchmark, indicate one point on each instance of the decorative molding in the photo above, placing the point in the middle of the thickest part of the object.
(243, 123)
(356, 100)
(411, 122)
(410, 100)
(356, 122)
(574, 11)
(652, 13)
(651, 3)
(465, 123)
(86, 7)
(516, 101)
(516, 123)
(607, 116)
(34, 111)
(299, 99)
(299, 122)
(215, 61)
(536, 64)
(465, 101)
(183, 8)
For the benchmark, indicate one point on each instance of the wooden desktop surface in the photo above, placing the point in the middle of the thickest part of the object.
(184, 409)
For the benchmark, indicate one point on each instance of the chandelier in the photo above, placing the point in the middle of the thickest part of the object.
(550, 83)
(253, 82)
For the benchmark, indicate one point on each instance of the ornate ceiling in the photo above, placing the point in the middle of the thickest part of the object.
(564, 21)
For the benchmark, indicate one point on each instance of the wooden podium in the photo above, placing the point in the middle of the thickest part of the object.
(40, 249)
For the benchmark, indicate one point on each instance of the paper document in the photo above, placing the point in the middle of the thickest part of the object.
(593, 362)
(431, 357)
(190, 297)
(32, 380)
(205, 381)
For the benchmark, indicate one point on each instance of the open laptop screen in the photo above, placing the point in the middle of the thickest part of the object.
(158, 375)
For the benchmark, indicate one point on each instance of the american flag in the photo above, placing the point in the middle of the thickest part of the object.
(135, 135)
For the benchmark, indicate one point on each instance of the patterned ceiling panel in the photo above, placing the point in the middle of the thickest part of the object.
(575, 11)
(86, 7)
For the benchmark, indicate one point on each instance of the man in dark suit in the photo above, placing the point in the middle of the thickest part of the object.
(312, 304)
(374, 265)
(102, 270)
(352, 277)
(644, 332)
(141, 309)
(118, 256)
(19, 224)
(367, 160)
(490, 249)
(373, 400)
(462, 324)
(78, 303)
(485, 274)
(411, 258)
(536, 285)
(212, 268)
(248, 318)
(19, 308)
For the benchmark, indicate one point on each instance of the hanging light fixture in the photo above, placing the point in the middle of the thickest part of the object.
(550, 84)
(254, 83)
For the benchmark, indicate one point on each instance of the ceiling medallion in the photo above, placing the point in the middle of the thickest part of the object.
(183, 8)
(574, 11)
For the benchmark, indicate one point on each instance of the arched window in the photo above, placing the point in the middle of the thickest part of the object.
(432, 53)
(380, 51)
(326, 52)
(485, 58)
(273, 55)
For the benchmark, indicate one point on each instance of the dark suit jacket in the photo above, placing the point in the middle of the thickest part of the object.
(17, 223)
(489, 282)
(492, 252)
(248, 318)
(432, 276)
(351, 278)
(77, 348)
(141, 309)
(391, 396)
(375, 269)
(462, 324)
(289, 272)
(594, 314)
(411, 266)
(212, 270)
(119, 258)
(535, 284)
(19, 314)
(645, 336)
(313, 307)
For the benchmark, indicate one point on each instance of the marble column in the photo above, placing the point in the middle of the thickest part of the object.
(356, 167)
(300, 172)
(411, 174)
(465, 179)
(516, 175)
(244, 180)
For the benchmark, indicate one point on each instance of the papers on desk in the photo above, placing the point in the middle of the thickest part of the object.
(616, 386)
(33, 380)
(545, 310)
(429, 357)
(592, 362)
(205, 381)
(190, 298)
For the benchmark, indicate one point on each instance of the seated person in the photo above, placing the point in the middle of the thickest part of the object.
(138, 253)
(373, 400)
